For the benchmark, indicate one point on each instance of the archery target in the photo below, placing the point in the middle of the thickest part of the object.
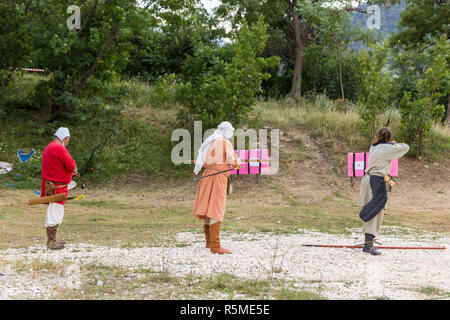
(5, 167)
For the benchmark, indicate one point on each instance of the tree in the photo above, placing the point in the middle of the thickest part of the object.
(334, 35)
(73, 56)
(83, 62)
(421, 23)
(221, 83)
(294, 25)
(421, 111)
(15, 36)
(161, 50)
(375, 88)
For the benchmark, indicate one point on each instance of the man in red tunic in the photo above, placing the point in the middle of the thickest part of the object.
(58, 167)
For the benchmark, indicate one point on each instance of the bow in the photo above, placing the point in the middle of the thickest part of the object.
(209, 175)
(83, 168)
(389, 120)
(86, 165)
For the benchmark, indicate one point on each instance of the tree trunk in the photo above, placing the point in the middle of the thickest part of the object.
(90, 71)
(340, 74)
(447, 118)
(421, 143)
(296, 89)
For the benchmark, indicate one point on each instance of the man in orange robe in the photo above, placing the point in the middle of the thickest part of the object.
(216, 154)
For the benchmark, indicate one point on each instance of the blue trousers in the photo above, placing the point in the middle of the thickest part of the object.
(379, 199)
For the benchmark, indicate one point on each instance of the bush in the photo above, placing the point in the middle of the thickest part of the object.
(226, 90)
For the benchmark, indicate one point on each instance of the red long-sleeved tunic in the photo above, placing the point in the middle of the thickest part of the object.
(57, 166)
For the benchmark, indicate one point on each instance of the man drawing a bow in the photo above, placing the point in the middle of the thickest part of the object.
(216, 154)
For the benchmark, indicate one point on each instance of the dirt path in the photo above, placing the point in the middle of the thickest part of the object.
(334, 273)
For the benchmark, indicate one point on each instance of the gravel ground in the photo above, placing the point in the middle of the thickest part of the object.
(340, 273)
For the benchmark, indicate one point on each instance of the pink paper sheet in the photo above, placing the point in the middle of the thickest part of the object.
(264, 165)
(254, 166)
(243, 155)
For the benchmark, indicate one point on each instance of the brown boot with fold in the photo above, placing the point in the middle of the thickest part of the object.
(207, 237)
(214, 232)
(51, 239)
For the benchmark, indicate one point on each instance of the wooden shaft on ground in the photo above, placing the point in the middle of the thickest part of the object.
(379, 247)
(49, 199)
(242, 161)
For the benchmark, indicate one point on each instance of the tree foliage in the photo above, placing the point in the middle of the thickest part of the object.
(421, 22)
(376, 88)
(422, 110)
(227, 79)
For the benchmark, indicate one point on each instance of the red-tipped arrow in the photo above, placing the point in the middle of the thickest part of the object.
(378, 247)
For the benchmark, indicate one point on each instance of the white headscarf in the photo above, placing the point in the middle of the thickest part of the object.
(224, 130)
(62, 133)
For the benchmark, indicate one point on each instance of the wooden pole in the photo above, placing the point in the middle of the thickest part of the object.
(378, 247)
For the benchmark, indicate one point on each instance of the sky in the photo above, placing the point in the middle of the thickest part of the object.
(210, 4)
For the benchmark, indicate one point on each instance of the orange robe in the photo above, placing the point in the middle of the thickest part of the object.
(212, 191)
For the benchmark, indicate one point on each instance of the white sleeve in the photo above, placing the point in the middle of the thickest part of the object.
(397, 151)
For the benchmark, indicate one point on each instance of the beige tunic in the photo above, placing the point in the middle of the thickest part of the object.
(212, 191)
(380, 157)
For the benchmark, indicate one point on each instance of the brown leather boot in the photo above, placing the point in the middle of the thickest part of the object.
(207, 236)
(51, 239)
(62, 241)
(214, 232)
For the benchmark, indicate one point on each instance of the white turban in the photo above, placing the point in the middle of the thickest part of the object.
(62, 133)
(224, 130)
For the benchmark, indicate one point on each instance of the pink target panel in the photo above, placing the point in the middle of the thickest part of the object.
(394, 168)
(243, 155)
(264, 165)
(358, 162)
(250, 162)
(254, 166)
(234, 171)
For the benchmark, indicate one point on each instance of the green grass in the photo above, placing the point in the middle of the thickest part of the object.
(257, 289)
(299, 216)
(94, 281)
(433, 291)
(110, 204)
(294, 294)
